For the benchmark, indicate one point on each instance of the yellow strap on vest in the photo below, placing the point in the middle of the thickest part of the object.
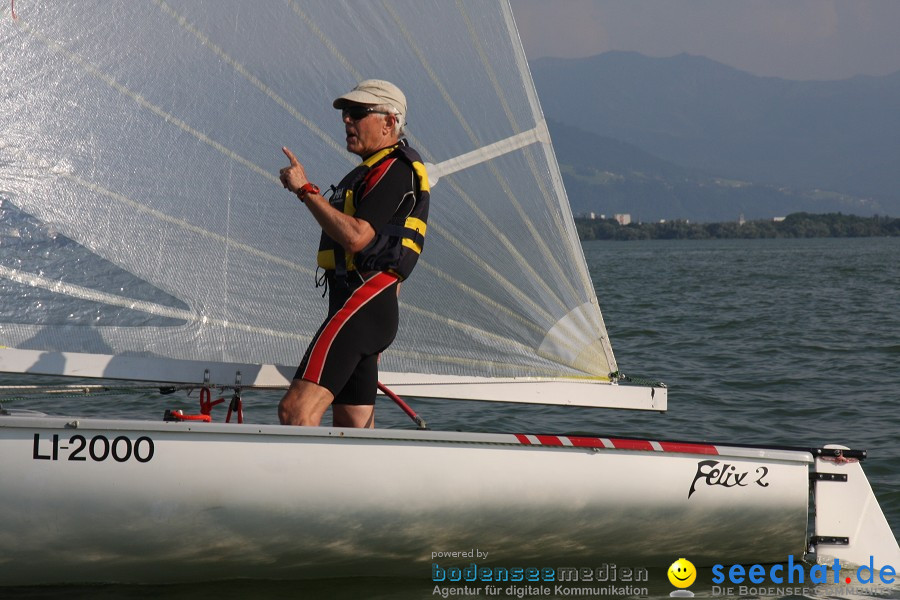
(422, 174)
(419, 226)
(379, 155)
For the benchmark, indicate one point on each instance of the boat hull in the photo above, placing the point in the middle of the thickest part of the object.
(130, 501)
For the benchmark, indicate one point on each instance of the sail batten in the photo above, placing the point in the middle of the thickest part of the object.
(141, 151)
(485, 153)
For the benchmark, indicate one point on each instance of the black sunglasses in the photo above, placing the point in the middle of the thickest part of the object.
(357, 113)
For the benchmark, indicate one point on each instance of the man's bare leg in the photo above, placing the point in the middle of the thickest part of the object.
(353, 415)
(304, 403)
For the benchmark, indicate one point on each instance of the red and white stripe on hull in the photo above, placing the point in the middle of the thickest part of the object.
(615, 443)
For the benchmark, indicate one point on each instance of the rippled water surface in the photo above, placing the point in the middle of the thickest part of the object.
(760, 341)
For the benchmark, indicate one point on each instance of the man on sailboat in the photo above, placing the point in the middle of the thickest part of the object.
(373, 229)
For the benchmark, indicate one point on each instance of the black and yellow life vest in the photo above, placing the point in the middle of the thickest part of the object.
(395, 248)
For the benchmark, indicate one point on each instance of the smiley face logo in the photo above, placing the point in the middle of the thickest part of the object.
(682, 573)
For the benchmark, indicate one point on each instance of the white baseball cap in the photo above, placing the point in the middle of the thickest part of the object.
(373, 91)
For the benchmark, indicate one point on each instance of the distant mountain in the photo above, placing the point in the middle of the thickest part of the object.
(607, 176)
(694, 112)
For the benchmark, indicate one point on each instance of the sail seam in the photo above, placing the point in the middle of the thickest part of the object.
(499, 339)
(77, 291)
(475, 141)
(325, 41)
(512, 289)
(476, 259)
(83, 293)
(431, 74)
(185, 225)
(567, 332)
(471, 329)
(562, 338)
(483, 299)
(471, 362)
(146, 104)
(556, 177)
(255, 81)
(544, 134)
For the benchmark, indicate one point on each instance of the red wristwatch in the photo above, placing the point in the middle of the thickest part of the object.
(307, 188)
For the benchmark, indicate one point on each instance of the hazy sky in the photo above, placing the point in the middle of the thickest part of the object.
(794, 39)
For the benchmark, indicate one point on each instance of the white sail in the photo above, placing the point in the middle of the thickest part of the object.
(150, 133)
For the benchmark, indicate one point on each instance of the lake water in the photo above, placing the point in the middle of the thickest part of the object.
(760, 341)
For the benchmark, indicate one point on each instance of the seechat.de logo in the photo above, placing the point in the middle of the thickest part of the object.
(796, 572)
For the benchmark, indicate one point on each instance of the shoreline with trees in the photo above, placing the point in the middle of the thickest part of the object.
(795, 225)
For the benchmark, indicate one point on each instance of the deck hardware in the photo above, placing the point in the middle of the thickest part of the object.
(236, 406)
(840, 454)
(828, 540)
(815, 477)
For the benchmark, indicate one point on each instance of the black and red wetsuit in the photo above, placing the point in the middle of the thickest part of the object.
(389, 190)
